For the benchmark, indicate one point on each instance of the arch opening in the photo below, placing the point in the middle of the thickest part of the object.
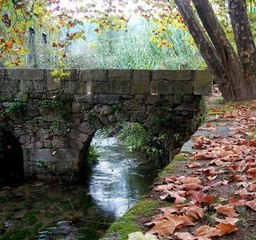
(11, 159)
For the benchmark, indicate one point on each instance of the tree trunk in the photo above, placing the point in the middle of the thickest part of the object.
(204, 44)
(215, 49)
(244, 41)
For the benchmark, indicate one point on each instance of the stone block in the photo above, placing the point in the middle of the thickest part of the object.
(43, 155)
(83, 97)
(67, 156)
(122, 116)
(167, 88)
(76, 107)
(168, 75)
(87, 128)
(52, 84)
(28, 74)
(141, 82)
(106, 99)
(97, 123)
(9, 85)
(104, 120)
(2, 73)
(203, 83)
(93, 75)
(119, 75)
(77, 135)
(75, 87)
(74, 144)
(38, 86)
(110, 87)
(21, 97)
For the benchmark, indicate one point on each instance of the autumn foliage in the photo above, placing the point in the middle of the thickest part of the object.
(220, 179)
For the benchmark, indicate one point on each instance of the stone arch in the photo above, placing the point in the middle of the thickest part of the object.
(11, 160)
(81, 136)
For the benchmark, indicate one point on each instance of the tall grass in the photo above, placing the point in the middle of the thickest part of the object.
(132, 49)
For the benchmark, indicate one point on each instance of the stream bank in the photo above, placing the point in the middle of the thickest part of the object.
(42, 211)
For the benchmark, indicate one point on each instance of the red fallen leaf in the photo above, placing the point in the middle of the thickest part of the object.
(187, 180)
(251, 171)
(231, 158)
(237, 178)
(227, 210)
(243, 193)
(220, 183)
(227, 220)
(251, 204)
(177, 196)
(226, 228)
(243, 184)
(173, 209)
(209, 171)
(200, 197)
(164, 227)
(194, 165)
(169, 179)
(252, 187)
(224, 153)
(237, 201)
(252, 143)
(207, 231)
(166, 224)
(184, 236)
(237, 150)
(195, 213)
(191, 186)
(208, 125)
(237, 167)
(215, 162)
(161, 188)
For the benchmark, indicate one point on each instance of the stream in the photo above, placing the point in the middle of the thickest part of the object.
(36, 210)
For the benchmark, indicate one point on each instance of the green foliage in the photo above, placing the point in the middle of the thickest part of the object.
(136, 49)
(92, 156)
(57, 104)
(16, 107)
(136, 138)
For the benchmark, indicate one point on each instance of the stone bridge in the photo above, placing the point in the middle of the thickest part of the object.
(49, 124)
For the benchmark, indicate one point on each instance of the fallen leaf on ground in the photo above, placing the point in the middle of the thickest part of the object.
(226, 228)
(227, 210)
(251, 204)
(184, 236)
(207, 231)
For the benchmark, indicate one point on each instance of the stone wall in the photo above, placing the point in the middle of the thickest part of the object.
(54, 121)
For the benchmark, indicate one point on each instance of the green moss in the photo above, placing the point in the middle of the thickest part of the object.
(179, 157)
(30, 217)
(17, 235)
(87, 233)
(170, 168)
(127, 224)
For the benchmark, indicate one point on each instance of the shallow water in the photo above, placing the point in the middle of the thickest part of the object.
(41, 211)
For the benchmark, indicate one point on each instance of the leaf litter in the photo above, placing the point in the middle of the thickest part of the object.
(221, 179)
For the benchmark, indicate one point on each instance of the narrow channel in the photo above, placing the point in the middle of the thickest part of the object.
(36, 210)
(120, 178)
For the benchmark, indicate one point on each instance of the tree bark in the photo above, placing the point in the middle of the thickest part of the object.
(205, 46)
(229, 59)
(244, 40)
(216, 50)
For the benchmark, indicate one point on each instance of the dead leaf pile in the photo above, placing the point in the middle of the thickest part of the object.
(221, 179)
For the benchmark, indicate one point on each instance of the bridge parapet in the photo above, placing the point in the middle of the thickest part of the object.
(54, 121)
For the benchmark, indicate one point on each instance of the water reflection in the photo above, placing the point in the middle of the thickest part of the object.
(119, 179)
